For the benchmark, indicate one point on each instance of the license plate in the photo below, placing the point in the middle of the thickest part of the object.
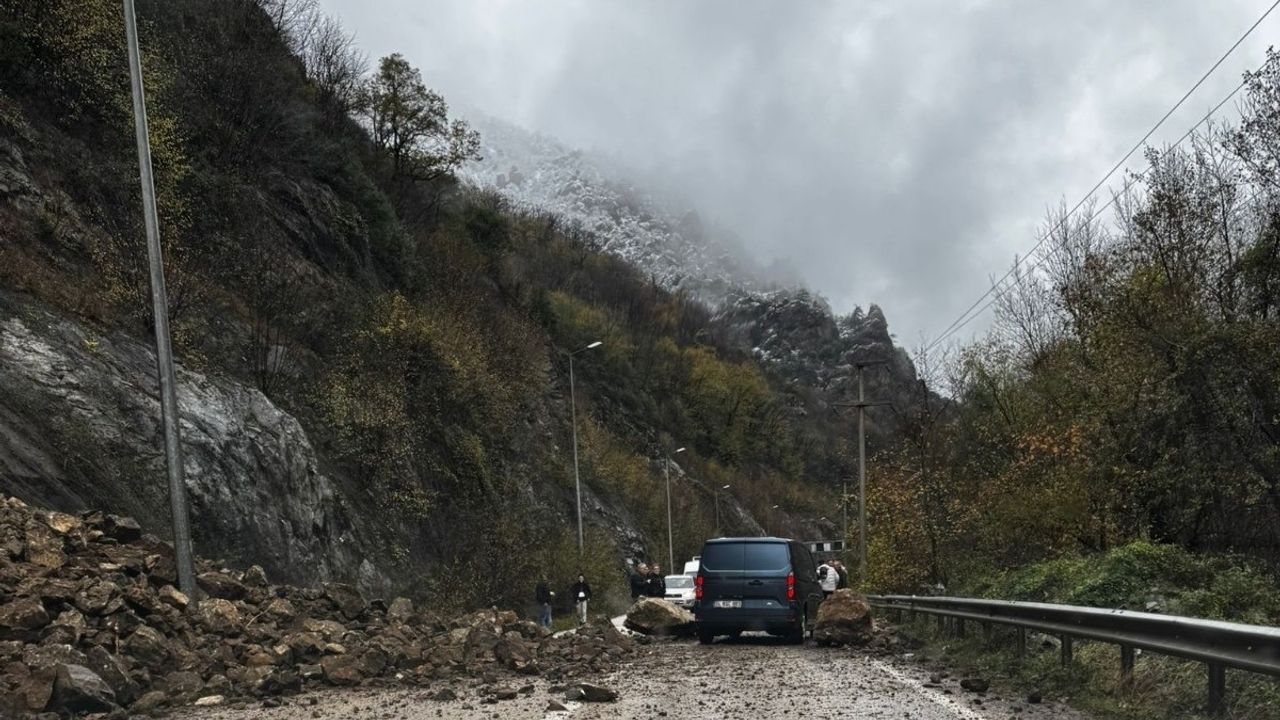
(727, 604)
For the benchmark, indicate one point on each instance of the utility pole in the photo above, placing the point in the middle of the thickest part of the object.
(862, 404)
(160, 309)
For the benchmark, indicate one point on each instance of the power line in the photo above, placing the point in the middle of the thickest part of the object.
(1239, 208)
(957, 323)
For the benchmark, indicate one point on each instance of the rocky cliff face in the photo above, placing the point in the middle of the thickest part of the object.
(79, 428)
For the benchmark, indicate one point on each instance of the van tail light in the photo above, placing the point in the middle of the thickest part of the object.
(791, 586)
(697, 588)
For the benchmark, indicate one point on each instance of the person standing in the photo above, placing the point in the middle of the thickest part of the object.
(828, 578)
(581, 594)
(639, 582)
(843, 581)
(657, 583)
(544, 595)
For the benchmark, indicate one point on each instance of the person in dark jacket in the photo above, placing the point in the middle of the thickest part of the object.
(581, 594)
(544, 595)
(843, 582)
(656, 585)
(639, 581)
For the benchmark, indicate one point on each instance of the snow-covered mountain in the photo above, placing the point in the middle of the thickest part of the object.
(671, 243)
(791, 329)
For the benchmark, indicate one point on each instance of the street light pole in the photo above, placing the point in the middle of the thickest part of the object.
(716, 495)
(573, 411)
(844, 508)
(666, 472)
(160, 309)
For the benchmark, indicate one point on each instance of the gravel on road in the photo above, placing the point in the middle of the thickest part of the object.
(752, 677)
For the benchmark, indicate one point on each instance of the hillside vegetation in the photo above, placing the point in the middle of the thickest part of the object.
(1130, 391)
(321, 251)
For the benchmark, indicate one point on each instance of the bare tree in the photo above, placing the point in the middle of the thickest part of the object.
(295, 20)
(335, 64)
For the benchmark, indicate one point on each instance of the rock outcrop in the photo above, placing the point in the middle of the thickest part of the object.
(79, 429)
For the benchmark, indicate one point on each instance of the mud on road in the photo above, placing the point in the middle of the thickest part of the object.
(752, 677)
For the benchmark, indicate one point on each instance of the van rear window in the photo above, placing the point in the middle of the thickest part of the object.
(746, 557)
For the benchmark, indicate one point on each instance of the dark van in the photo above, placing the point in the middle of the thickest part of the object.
(768, 584)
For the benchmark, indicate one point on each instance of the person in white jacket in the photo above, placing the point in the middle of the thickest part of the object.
(828, 578)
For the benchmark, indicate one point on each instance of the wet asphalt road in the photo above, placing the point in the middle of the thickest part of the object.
(753, 677)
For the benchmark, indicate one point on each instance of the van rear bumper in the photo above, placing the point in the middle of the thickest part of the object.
(722, 621)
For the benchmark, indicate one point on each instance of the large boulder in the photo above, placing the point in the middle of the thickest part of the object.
(655, 616)
(844, 618)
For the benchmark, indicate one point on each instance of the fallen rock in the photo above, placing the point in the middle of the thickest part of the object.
(209, 700)
(341, 669)
(844, 618)
(400, 610)
(148, 646)
(150, 701)
(122, 528)
(77, 689)
(655, 616)
(174, 597)
(556, 706)
(22, 615)
(346, 599)
(221, 585)
(219, 616)
(597, 693)
(975, 684)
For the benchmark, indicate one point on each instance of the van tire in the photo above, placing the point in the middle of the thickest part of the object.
(705, 637)
(799, 630)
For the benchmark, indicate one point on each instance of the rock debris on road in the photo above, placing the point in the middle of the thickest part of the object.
(752, 677)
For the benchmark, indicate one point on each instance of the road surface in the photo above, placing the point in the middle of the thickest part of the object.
(753, 677)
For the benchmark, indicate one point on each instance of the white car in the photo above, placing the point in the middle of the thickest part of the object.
(680, 590)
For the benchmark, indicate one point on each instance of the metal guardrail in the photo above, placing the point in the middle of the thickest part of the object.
(1220, 645)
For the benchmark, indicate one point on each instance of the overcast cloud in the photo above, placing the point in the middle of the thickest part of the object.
(893, 151)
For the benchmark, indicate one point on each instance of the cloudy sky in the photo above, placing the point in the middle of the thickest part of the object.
(893, 151)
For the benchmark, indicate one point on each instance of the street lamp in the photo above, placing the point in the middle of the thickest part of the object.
(573, 411)
(716, 495)
(666, 472)
(772, 514)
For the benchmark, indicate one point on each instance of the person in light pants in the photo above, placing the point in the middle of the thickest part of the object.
(581, 594)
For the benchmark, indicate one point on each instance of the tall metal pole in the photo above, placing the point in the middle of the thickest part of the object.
(862, 480)
(671, 549)
(577, 481)
(844, 509)
(160, 309)
(716, 495)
